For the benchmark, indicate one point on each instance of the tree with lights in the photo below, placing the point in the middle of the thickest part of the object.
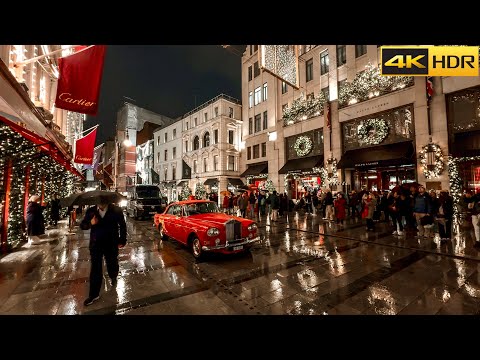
(185, 193)
(200, 191)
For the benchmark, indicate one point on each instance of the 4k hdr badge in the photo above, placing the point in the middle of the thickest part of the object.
(430, 60)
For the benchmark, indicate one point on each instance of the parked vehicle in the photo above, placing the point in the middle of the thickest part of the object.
(144, 201)
(201, 226)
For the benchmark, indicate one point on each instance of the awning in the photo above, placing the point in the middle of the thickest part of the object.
(256, 169)
(235, 182)
(182, 183)
(378, 156)
(211, 182)
(45, 146)
(302, 164)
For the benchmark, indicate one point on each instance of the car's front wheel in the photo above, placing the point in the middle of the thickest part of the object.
(196, 247)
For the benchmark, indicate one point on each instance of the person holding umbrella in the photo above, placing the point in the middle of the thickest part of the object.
(108, 233)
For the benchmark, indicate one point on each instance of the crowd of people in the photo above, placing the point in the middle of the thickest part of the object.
(410, 210)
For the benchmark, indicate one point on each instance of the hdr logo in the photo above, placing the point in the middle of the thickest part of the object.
(429, 60)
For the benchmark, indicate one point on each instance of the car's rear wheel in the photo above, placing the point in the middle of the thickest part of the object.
(196, 247)
(163, 236)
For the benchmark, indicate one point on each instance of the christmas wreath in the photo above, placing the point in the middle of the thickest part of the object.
(303, 145)
(373, 131)
(432, 171)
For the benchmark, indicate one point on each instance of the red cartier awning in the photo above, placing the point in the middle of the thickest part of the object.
(46, 146)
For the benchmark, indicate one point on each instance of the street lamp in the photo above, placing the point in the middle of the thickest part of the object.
(430, 157)
(127, 141)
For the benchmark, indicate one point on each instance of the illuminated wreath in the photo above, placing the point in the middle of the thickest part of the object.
(432, 171)
(373, 131)
(303, 145)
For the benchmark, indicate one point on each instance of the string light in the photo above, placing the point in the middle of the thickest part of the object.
(185, 193)
(200, 191)
(57, 180)
(369, 83)
(304, 109)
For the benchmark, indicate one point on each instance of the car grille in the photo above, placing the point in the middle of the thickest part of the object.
(233, 230)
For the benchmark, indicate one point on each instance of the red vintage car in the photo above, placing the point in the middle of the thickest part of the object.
(201, 226)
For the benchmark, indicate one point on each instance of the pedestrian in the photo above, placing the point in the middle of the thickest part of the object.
(35, 219)
(226, 201)
(444, 215)
(340, 205)
(252, 199)
(422, 207)
(370, 202)
(55, 209)
(108, 233)
(243, 204)
(275, 204)
(329, 206)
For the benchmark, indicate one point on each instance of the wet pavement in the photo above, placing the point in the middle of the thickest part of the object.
(303, 266)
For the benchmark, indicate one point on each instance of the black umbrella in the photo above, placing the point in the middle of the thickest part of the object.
(68, 201)
(93, 198)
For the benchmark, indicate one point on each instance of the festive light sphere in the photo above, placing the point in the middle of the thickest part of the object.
(303, 145)
(379, 128)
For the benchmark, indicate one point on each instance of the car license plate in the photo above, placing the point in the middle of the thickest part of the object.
(235, 248)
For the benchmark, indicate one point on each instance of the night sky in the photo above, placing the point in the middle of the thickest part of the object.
(166, 79)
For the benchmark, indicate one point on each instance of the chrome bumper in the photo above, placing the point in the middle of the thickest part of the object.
(245, 241)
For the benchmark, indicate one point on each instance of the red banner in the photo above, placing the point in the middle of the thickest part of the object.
(79, 80)
(84, 148)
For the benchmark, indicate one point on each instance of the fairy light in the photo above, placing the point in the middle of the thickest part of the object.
(369, 84)
(57, 179)
(303, 109)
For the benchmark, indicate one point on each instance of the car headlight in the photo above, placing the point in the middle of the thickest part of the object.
(252, 227)
(213, 232)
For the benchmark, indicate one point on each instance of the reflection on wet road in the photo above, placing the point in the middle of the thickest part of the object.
(303, 265)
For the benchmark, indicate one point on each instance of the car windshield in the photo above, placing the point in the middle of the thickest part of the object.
(201, 208)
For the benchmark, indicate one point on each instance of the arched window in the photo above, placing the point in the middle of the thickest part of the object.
(196, 143)
(206, 139)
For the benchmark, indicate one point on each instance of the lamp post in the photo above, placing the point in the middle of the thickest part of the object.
(430, 157)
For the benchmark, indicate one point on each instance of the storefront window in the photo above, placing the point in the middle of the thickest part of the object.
(399, 122)
(316, 136)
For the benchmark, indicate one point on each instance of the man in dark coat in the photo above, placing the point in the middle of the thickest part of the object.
(108, 233)
(35, 220)
(55, 209)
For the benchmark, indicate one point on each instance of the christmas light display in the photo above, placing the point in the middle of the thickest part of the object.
(269, 186)
(281, 60)
(55, 179)
(200, 191)
(456, 182)
(368, 84)
(304, 109)
(303, 145)
(438, 165)
(185, 193)
(373, 131)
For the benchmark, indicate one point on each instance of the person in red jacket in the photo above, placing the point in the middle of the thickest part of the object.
(340, 205)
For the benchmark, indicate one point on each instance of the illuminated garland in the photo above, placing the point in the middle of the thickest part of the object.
(438, 166)
(250, 177)
(303, 145)
(456, 182)
(303, 109)
(368, 84)
(380, 128)
(23, 153)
